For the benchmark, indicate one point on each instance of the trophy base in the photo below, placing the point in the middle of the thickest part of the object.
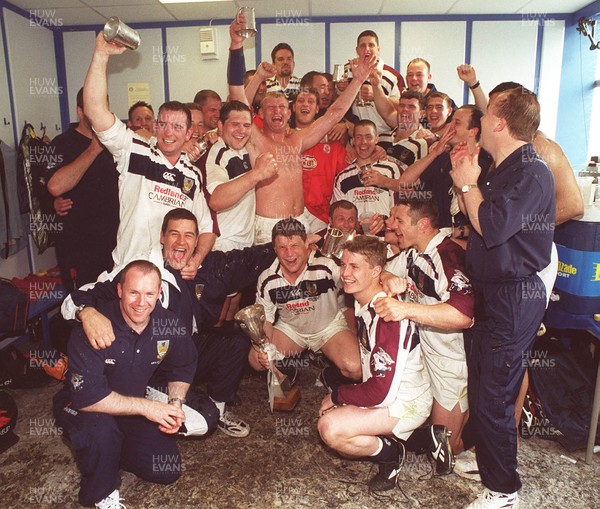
(288, 402)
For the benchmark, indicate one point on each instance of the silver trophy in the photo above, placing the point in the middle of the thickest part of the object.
(339, 73)
(118, 32)
(281, 395)
(249, 28)
(333, 243)
(202, 145)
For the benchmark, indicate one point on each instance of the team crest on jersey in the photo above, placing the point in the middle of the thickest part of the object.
(460, 283)
(312, 289)
(76, 381)
(326, 148)
(161, 349)
(309, 162)
(421, 280)
(382, 362)
(188, 183)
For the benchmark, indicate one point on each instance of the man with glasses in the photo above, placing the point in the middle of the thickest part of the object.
(155, 175)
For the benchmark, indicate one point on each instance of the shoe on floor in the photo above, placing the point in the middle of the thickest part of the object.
(494, 500)
(441, 451)
(465, 465)
(385, 479)
(233, 426)
(113, 501)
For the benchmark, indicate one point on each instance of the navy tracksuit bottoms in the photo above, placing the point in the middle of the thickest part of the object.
(104, 443)
(507, 317)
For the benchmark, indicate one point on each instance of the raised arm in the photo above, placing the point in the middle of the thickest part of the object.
(263, 71)
(467, 74)
(236, 65)
(95, 88)
(385, 106)
(311, 135)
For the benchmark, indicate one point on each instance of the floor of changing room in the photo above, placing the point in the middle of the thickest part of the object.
(282, 463)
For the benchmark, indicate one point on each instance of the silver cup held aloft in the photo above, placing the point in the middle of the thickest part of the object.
(249, 28)
(339, 73)
(118, 32)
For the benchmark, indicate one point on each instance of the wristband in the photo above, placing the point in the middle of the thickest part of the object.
(475, 86)
(181, 401)
(236, 67)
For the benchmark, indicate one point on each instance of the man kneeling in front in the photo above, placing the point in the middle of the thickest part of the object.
(102, 406)
(370, 420)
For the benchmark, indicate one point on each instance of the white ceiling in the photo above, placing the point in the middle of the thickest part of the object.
(94, 12)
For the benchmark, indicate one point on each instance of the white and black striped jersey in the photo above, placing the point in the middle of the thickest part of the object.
(311, 303)
(406, 151)
(149, 186)
(368, 199)
(433, 277)
(222, 165)
(291, 91)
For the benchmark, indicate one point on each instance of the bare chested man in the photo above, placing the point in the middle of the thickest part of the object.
(281, 196)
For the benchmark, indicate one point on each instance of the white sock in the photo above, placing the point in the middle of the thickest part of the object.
(379, 447)
(220, 405)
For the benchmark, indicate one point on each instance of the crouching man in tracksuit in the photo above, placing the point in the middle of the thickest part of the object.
(102, 406)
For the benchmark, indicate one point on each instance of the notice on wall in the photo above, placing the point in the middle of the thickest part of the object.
(138, 92)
